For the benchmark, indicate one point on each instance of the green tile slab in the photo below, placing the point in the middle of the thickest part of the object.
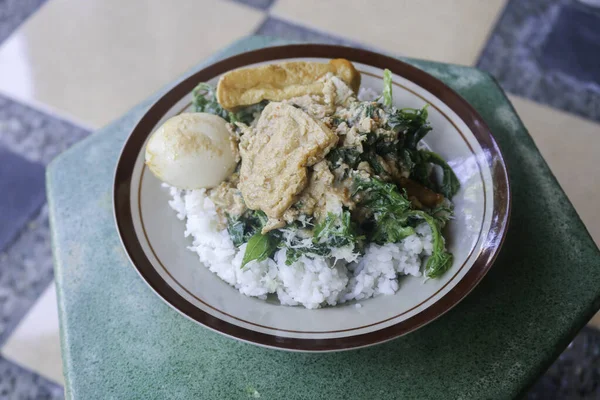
(120, 341)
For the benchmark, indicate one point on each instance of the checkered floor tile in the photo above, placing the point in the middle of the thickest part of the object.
(547, 51)
(541, 50)
(24, 180)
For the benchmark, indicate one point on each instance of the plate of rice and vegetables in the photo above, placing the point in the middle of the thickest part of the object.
(311, 197)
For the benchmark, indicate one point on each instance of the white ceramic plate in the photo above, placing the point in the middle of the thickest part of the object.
(153, 236)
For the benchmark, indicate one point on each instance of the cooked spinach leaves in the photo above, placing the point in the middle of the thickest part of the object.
(388, 208)
(420, 171)
(259, 248)
(387, 88)
(440, 260)
(247, 229)
(393, 219)
(335, 231)
(244, 227)
(411, 123)
(450, 183)
(344, 155)
(247, 114)
(205, 100)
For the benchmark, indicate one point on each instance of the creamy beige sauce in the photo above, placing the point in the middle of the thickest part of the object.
(325, 193)
(228, 198)
(276, 155)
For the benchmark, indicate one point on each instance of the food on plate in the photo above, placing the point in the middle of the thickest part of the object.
(188, 144)
(332, 196)
(276, 156)
(276, 82)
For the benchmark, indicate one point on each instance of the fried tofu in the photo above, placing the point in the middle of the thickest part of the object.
(276, 155)
(277, 82)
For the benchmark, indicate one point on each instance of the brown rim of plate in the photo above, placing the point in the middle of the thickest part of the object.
(487, 255)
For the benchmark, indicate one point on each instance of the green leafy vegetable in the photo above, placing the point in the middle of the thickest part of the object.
(389, 210)
(450, 183)
(205, 100)
(247, 114)
(248, 228)
(386, 145)
(335, 121)
(391, 228)
(371, 158)
(259, 248)
(406, 159)
(420, 171)
(440, 260)
(236, 228)
(362, 110)
(336, 230)
(374, 146)
(333, 232)
(411, 126)
(347, 155)
(412, 123)
(369, 153)
(243, 228)
(387, 88)
(380, 196)
(370, 109)
(294, 253)
(442, 214)
(392, 216)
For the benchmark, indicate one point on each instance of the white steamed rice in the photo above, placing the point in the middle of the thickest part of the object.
(309, 282)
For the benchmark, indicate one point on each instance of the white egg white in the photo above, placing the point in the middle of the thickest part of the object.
(191, 151)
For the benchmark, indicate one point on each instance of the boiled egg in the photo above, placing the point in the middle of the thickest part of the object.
(191, 151)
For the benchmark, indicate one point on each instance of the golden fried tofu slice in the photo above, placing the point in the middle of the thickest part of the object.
(275, 157)
(276, 82)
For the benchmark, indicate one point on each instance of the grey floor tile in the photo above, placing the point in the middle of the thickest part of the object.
(35, 135)
(23, 192)
(17, 383)
(576, 373)
(573, 45)
(518, 54)
(14, 12)
(26, 264)
(25, 271)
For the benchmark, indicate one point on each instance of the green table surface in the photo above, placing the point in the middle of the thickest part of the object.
(120, 341)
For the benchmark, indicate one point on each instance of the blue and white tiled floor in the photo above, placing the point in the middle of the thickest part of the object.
(67, 67)
(547, 51)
